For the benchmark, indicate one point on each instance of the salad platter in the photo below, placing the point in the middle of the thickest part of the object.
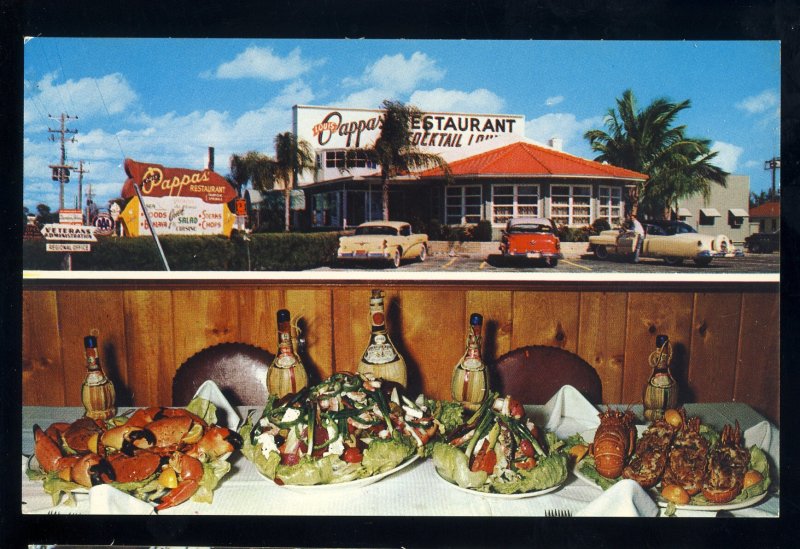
(350, 430)
(518, 495)
(682, 463)
(498, 452)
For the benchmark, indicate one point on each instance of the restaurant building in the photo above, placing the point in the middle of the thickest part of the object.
(497, 173)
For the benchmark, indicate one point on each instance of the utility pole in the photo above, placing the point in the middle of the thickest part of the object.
(61, 170)
(81, 171)
(773, 164)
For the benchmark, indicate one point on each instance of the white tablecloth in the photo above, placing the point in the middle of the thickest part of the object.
(415, 491)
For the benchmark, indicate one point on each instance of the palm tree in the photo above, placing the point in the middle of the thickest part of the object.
(647, 142)
(254, 167)
(293, 156)
(393, 150)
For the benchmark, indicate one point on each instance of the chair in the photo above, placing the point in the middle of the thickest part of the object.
(239, 369)
(535, 373)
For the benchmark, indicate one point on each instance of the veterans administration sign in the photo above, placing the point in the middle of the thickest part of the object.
(71, 233)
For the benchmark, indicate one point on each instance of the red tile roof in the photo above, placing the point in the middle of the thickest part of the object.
(767, 209)
(522, 158)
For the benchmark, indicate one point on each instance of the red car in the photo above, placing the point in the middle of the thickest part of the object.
(531, 238)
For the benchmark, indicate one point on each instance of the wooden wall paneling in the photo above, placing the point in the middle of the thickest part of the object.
(545, 318)
(350, 312)
(203, 318)
(495, 306)
(100, 313)
(427, 328)
(313, 309)
(258, 308)
(42, 366)
(714, 346)
(149, 340)
(650, 314)
(758, 365)
(601, 339)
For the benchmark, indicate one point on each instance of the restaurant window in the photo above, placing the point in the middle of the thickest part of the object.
(571, 204)
(609, 204)
(514, 201)
(325, 211)
(337, 159)
(463, 204)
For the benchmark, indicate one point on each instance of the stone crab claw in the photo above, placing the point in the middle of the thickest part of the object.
(136, 467)
(216, 442)
(91, 470)
(189, 471)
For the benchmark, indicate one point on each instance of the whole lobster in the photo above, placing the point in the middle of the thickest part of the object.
(613, 442)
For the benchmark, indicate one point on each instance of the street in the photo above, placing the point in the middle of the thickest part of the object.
(751, 263)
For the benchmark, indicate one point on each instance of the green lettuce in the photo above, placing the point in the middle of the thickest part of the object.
(450, 414)
(266, 465)
(213, 471)
(325, 470)
(549, 471)
(758, 462)
(587, 468)
(383, 455)
(205, 409)
(453, 465)
(55, 486)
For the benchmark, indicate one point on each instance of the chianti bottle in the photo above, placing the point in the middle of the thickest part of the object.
(470, 383)
(286, 374)
(381, 358)
(661, 392)
(97, 391)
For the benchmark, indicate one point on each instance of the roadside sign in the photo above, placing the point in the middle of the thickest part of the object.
(70, 217)
(73, 233)
(68, 247)
(104, 224)
(241, 206)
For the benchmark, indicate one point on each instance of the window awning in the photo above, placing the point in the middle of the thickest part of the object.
(738, 212)
(684, 212)
(710, 212)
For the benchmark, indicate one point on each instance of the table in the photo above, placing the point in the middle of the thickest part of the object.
(415, 491)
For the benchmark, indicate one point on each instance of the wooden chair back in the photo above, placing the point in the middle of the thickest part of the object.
(535, 373)
(239, 369)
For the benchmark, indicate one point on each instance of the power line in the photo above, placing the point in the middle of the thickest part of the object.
(61, 170)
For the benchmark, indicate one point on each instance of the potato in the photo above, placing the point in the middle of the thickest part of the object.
(676, 494)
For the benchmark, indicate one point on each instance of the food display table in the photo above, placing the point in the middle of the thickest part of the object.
(416, 490)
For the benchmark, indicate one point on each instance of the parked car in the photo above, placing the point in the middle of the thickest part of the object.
(531, 238)
(389, 241)
(672, 241)
(763, 243)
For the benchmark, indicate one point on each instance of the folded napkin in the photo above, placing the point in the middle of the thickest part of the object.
(625, 499)
(106, 500)
(767, 437)
(568, 412)
(226, 414)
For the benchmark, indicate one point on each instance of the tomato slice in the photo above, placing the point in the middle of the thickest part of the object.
(526, 448)
(352, 455)
(485, 459)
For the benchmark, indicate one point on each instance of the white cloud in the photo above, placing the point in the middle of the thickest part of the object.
(85, 98)
(369, 98)
(553, 101)
(478, 101)
(264, 64)
(396, 74)
(760, 103)
(727, 155)
(563, 125)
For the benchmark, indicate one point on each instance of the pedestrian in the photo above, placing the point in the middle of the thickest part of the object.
(633, 225)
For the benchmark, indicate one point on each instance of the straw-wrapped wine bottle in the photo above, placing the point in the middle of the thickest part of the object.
(381, 358)
(286, 374)
(97, 391)
(661, 391)
(470, 382)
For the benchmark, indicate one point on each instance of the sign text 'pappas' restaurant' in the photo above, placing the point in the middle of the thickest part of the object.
(332, 127)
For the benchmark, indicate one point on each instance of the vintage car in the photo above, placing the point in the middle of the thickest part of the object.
(763, 243)
(390, 241)
(672, 241)
(531, 238)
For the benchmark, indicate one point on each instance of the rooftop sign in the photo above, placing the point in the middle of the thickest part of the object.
(155, 180)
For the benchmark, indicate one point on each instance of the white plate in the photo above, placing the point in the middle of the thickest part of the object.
(34, 465)
(358, 483)
(521, 495)
(588, 436)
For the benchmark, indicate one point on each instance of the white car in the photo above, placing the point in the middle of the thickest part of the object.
(390, 241)
(672, 241)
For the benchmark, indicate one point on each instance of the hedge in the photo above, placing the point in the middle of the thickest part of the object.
(267, 252)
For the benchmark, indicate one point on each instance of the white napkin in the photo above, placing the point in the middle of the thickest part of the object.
(568, 412)
(106, 500)
(767, 437)
(226, 414)
(624, 499)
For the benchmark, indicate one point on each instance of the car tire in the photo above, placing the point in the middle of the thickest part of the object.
(702, 261)
(394, 261)
(423, 254)
(601, 252)
(552, 262)
(673, 261)
(755, 249)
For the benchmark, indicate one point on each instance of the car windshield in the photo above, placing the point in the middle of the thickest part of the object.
(678, 228)
(530, 228)
(376, 230)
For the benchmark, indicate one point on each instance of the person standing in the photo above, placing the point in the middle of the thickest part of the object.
(633, 225)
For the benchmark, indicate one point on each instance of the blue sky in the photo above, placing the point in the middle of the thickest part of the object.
(167, 100)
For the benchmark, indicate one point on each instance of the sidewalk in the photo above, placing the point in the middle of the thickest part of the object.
(483, 249)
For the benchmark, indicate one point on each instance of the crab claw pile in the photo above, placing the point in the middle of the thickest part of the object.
(156, 442)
